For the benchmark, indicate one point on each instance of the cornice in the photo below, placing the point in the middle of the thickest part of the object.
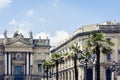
(109, 31)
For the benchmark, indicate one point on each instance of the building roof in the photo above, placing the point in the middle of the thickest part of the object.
(107, 27)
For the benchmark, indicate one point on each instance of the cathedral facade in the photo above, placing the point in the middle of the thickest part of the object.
(22, 58)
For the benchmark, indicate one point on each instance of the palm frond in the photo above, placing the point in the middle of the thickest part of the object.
(48, 64)
(57, 57)
(106, 50)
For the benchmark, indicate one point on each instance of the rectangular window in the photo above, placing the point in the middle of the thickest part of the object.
(108, 56)
(39, 67)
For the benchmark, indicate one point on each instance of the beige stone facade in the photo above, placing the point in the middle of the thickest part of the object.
(20, 56)
(112, 32)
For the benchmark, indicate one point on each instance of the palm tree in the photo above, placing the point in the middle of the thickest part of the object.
(57, 58)
(97, 44)
(47, 65)
(73, 55)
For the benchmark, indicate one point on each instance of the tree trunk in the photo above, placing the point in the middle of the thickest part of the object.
(75, 67)
(56, 70)
(98, 62)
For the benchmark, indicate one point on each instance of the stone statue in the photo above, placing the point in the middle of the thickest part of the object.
(15, 34)
(30, 34)
(5, 34)
(21, 36)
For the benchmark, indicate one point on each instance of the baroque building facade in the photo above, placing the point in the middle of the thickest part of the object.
(66, 70)
(22, 58)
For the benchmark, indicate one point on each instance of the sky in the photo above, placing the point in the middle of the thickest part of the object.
(55, 19)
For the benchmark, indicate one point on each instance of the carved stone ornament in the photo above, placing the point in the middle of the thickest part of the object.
(17, 35)
(18, 56)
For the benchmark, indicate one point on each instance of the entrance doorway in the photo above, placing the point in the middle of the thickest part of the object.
(89, 74)
(108, 74)
(18, 70)
(18, 73)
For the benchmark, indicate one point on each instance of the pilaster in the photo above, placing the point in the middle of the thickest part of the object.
(6, 69)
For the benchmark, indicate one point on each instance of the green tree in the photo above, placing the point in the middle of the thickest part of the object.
(73, 55)
(57, 58)
(47, 65)
(96, 44)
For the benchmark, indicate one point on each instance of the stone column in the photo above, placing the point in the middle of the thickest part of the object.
(94, 77)
(94, 73)
(6, 64)
(72, 75)
(9, 57)
(82, 73)
(113, 75)
(65, 76)
(79, 74)
(27, 64)
(31, 59)
(68, 75)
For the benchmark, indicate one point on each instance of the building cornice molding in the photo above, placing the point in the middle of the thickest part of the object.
(84, 34)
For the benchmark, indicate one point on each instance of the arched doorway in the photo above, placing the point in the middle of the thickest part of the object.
(108, 74)
(89, 74)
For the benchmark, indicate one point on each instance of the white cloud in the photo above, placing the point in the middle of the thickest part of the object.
(43, 35)
(30, 13)
(4, 3)
(58, 37)
(13, 22)
(1, 36)
(20, 26)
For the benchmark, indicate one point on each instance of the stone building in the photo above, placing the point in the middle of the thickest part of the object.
(112, 32)
(22, 58)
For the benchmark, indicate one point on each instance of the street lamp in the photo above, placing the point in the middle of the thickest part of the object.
(31, 67)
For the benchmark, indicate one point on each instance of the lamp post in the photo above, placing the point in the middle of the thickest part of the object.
(31, 67)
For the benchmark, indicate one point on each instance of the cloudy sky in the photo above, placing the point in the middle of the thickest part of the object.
(55, 19)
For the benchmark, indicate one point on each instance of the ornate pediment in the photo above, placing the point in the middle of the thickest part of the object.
(18, 43)
(18, 46)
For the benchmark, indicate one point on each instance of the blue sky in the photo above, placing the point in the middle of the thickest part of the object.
(56, 19)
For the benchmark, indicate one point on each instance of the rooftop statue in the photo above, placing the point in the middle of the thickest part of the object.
(30, 34)
(16, 34)
(5, 34)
